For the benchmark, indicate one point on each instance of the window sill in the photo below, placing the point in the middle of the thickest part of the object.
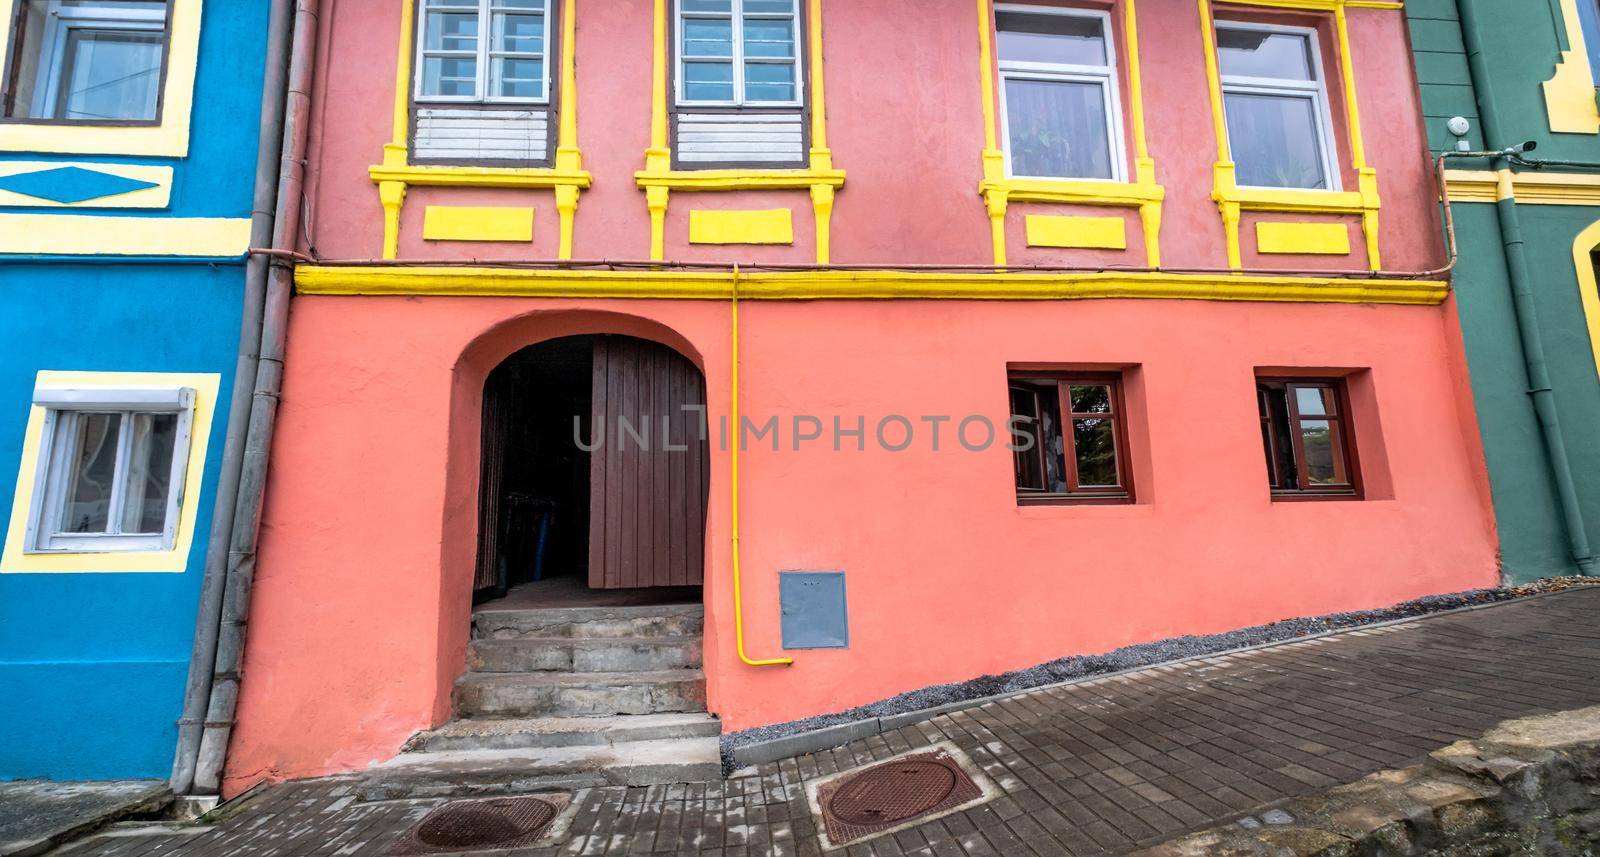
(472, 176)
(1077, 500)
(1073, 191)
(1313, 497)
(1294, 200)
(739, 179)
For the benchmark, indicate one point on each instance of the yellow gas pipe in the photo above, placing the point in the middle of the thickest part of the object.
(738, 603)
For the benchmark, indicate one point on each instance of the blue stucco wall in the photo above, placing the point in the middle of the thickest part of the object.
(92, 665)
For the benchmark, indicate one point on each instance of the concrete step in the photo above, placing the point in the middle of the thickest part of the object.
(528, 733)
(579, 694)
(492, 772)
(656, 620)
(583, 654)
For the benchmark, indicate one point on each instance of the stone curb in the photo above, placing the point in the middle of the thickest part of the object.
(828, 737)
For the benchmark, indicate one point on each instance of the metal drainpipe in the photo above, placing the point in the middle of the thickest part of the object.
(1529, 334)
(246, 518)
(202, 655)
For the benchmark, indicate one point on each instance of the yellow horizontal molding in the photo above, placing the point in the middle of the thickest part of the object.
(768, 226)
(90, 235)
(1531, 188)
(1319, 239)
(148, 197)
(855, 285)
(1070, 191)
(739, 179)
(1104, 233)
(512, 177)
(1304, 201)
(1318, 5)
(473, 223)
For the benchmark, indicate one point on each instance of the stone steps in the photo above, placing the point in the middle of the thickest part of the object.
(660, 620)
(495, 772)
(534, 732)
(579, 694)
(584, 654)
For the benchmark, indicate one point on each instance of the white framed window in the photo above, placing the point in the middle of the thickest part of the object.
(484, 51)
(112, 469)
(738, 53)
(1275, 98)
(1061, 111)
(87, 61)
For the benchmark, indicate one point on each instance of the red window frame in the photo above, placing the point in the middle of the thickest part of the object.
(1122, 492)
(1275, 401)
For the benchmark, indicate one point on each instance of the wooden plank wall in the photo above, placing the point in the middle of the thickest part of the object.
(647, 503)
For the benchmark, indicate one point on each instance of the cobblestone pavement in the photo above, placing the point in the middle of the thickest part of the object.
(1101, 766)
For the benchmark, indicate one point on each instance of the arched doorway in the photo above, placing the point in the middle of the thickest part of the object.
(594, 474)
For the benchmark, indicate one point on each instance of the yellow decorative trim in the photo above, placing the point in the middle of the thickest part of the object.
(1107, 233)
(149, 197)
(567, 178)
(14, 560)
(1233, 200)
(856, 285)
(998, 190)
(772, 226)
(1324, 239)
(472, 223)
(658, 179)
(170, 138)
(89, 235)
(1569, 93)
(1526, 188)
(1583, 247)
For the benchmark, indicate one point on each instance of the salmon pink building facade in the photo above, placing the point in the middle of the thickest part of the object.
(1046, 329)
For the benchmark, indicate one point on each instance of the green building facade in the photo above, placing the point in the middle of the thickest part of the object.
(1527, 226)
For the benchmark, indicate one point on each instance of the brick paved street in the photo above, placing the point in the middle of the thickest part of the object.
(1102, 766)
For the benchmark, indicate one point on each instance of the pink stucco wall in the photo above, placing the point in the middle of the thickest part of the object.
(905, 122)
(360, 616)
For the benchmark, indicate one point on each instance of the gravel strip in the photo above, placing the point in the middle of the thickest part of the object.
(1132, 657)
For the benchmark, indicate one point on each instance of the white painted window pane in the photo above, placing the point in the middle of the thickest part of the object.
(1261, 53)
(519, 4)
(1057, 129)
(769, 7)
(148, 487)
(452, 31)
(768, 82)
(708, 37)
(708, 81)
(725, 6)
(519, 34)
(450, 76)
(517, 78)
(1274, 140)
(92, 472)
(769, 37)
(1056, 39)
(110, 74)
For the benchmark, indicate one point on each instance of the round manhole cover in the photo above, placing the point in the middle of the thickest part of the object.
(894, 792)
(485, 824)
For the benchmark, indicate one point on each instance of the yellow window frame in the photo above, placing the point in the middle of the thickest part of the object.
(998, 190)
(168, 138)
(658, 179)
(15, 559)
(566, 178)
(1232, 200)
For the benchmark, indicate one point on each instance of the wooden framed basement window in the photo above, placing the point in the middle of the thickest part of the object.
(1306, 434)
(1070, 439)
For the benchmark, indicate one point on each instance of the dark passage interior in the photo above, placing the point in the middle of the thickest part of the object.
(561, 524)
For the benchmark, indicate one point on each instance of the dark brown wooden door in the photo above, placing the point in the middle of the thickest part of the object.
(648, 484)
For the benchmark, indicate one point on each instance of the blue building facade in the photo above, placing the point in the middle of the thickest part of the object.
(128, 144)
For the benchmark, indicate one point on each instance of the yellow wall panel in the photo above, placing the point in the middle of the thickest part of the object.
(771, 226)
(1104, 233)
(464, 223)
(1318, 239)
